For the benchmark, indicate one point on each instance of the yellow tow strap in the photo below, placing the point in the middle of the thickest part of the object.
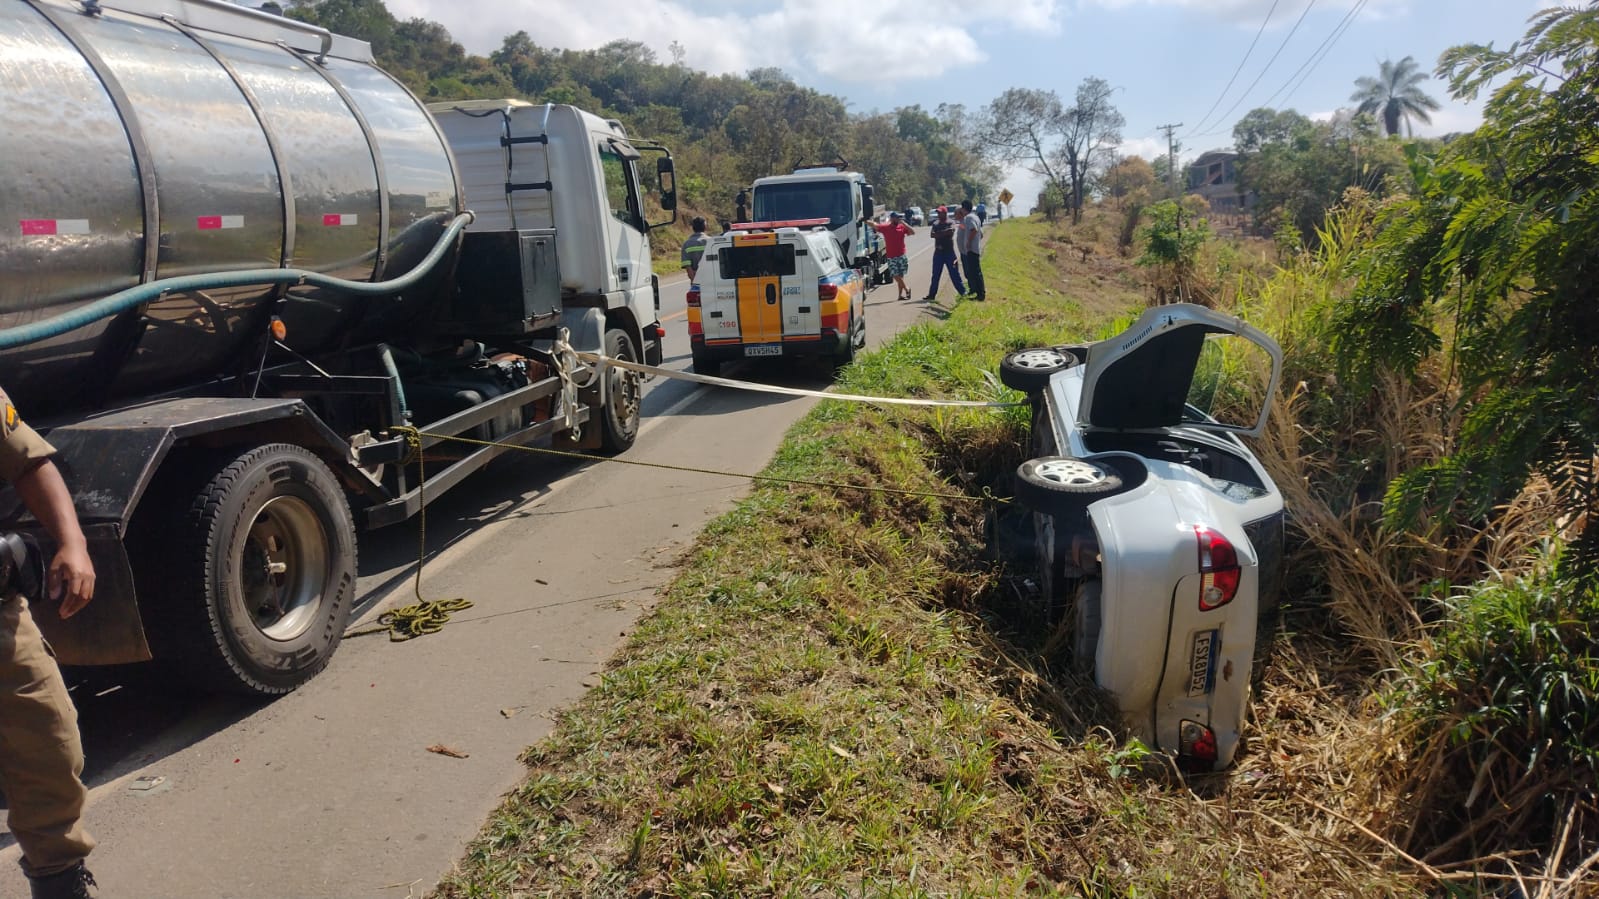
(425, 616)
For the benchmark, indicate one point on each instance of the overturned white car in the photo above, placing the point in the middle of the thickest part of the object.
(1159, 535)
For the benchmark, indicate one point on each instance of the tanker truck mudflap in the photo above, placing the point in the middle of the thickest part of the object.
(109, 630)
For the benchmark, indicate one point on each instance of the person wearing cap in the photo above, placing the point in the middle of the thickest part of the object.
(943, 231)
(894, 234)
(971, 247)
(41, 753)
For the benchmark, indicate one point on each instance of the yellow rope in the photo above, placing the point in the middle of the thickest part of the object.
(425, 616)
(987, 495)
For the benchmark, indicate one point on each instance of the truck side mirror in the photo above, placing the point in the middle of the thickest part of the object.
(867, 201)
(666, 176)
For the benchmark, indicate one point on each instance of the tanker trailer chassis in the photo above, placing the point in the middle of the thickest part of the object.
(241, 294)
(244, 503)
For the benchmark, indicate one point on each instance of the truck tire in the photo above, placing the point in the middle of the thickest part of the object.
(624, 392)
(704, 365)
(1056, 485)
(1030, 370)
(251, 588)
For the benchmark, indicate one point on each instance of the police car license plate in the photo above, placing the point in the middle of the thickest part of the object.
(764, 349)
(1202, 662)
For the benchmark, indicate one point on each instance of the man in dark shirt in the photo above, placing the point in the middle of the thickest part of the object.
(943, 232)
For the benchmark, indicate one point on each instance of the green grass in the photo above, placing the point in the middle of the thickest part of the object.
(834, 698)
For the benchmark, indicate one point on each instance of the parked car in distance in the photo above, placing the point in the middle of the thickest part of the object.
(1158, 534)
(914, 216)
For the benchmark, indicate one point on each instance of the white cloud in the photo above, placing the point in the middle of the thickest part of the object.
(824, 36)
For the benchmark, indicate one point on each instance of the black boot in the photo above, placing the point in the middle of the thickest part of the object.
(74, 883)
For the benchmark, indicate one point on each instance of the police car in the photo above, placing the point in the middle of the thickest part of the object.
(775, 289)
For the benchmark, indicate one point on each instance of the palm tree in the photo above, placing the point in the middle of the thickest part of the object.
(1396, 93)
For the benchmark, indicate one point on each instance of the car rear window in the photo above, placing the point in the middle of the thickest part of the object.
(776, 260)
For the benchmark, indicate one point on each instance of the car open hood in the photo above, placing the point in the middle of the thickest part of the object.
(1142, 378)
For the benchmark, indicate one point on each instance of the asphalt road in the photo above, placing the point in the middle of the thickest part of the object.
(332, 791)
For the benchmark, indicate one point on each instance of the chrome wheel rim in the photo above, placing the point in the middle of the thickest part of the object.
(1071, 471)
(284, 567)
(1038, 359)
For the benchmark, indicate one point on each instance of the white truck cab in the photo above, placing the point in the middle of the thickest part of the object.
(829, 192)
(775, 289)
(572, 178)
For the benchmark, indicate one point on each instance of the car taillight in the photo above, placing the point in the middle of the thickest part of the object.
(694, 296)
(1196, 746)
(828, 291)
(1218, 563)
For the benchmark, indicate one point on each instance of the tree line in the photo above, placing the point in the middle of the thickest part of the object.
(725, 130)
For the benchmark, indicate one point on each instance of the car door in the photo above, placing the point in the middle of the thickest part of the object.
(802, 312)
(625, 227)
(1172, 368)
(760, 265)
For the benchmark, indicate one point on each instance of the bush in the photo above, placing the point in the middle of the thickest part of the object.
(1505, 714)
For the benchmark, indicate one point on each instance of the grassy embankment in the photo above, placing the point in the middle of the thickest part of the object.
(835, 697)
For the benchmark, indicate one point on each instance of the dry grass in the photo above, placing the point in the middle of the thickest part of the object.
(838, 696)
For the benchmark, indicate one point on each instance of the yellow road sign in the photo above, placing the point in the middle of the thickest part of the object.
(1005, 196)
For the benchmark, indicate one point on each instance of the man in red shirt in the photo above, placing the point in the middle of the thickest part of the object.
(894, 234)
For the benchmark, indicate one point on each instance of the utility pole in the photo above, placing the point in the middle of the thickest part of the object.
(1171, 154)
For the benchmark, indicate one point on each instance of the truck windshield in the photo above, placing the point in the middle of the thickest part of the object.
(805, 200)
(774, 260)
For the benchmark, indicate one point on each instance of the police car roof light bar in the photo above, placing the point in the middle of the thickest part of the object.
(772, 226)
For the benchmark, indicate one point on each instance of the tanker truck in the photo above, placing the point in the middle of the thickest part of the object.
(250, 286)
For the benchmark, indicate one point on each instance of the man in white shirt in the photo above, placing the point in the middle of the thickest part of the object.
(971, 246)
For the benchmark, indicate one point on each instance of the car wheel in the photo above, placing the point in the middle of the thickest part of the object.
(1030, 370)
(1087, 615)
(623, 392)
(846, 355)
(1058, 484)
(249, 574)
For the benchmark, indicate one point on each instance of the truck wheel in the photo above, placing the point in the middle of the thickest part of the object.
(1056, 485)
(624, 391)
(250, 587)
(1030, 370)
(706, 366)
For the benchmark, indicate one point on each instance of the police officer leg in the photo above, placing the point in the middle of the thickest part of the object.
(41, 756)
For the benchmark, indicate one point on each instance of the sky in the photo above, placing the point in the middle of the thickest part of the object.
(1170, 61)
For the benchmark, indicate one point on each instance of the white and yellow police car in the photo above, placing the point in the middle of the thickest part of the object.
(775, 289)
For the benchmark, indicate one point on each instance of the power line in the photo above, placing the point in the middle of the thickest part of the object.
(1286, 38)
(1323, 50)
(1205, 119)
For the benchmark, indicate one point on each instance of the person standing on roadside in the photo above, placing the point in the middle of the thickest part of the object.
(971, 245)
(943, 231)
(694, 248)
(894, 234)
(41, 753)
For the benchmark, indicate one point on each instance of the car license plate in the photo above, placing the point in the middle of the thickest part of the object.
(764, 349)
(1202, 662)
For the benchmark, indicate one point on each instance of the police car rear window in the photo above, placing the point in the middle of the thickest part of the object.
(776, 260)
